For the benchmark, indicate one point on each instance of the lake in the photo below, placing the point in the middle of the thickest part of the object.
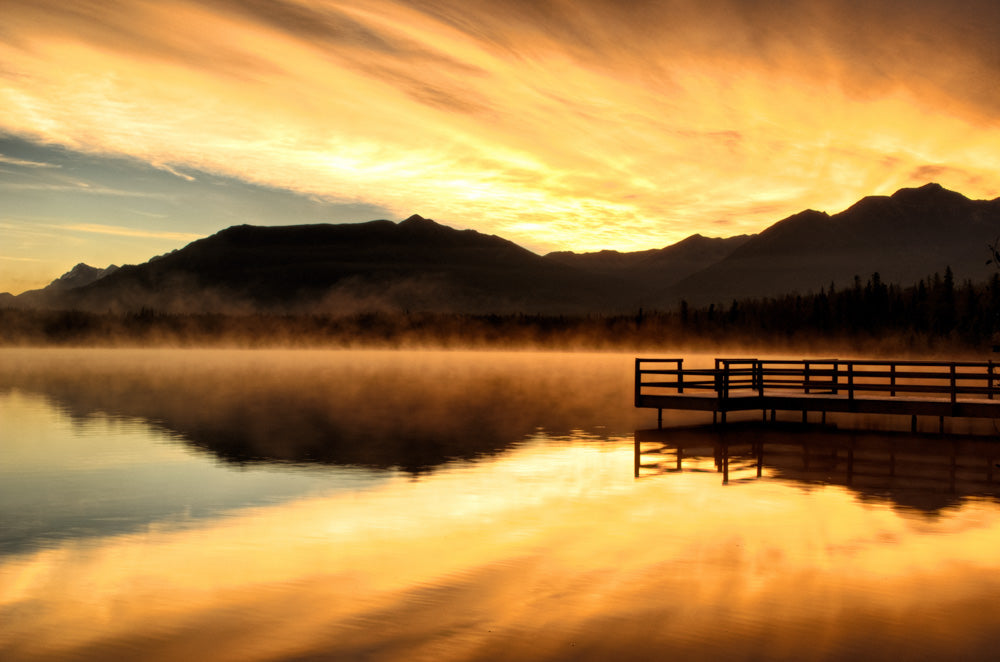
(448, 505)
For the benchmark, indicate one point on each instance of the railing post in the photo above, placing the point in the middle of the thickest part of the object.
(892, 380)
(836, 377)
(954, 386)
(638, 381)
(850, 380)
(680, 375)
(805, 382)
(989, 382)
(759, 365)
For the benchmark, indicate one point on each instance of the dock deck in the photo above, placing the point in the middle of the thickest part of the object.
(953, 389)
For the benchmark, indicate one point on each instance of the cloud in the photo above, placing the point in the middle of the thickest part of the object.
(12, 258)
(595, 124)
(932, 173)
(118, 231)
(80, 187)
(175, 172)
(24, 163)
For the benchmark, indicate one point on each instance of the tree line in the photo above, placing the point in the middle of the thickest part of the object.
(934, 315)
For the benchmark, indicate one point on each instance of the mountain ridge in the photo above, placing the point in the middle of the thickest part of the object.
(904, 237)
(379, 265)
(418, 264)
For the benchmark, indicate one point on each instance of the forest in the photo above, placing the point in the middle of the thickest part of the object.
(934, 316)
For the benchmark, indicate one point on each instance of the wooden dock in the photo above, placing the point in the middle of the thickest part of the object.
(956, 389)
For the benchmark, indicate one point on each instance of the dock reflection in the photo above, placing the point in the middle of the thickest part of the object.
(923, 472)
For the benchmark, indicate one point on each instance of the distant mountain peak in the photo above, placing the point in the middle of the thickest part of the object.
(932, 186)
(418, 221)
(80, 275)
(928, 188)
(419, 224)
(929, 192)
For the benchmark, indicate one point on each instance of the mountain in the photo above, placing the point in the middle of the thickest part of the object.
(79, 276)
(904, 237)
(380, 265)
(657, 265)
(420, 265)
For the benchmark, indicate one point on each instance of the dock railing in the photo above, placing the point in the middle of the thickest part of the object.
(736, 377)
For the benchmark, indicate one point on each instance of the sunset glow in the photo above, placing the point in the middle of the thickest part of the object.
(327, 564)
(577, 126)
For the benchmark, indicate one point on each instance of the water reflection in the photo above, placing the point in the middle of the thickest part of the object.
(406, 410)
(926, 473)
(551, 552)
(533, 541)
(65, 480)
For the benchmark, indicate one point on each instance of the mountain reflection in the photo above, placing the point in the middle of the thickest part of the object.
(406, 410)
(922, 473)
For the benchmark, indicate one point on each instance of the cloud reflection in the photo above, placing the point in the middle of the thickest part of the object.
(552, 553)
(549, 550)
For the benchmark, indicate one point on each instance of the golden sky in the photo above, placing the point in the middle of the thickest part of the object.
(131, 127)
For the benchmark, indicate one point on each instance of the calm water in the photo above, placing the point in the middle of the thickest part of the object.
(466, 506)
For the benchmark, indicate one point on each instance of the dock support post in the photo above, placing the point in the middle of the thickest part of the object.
(725, 463)
(954, 465)
(772, 416)
(638, 456)
(850, 463)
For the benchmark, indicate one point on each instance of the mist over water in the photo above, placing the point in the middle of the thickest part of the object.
(383, 505)
(406, 409)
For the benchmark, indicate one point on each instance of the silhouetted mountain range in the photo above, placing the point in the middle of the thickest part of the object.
(79, 276)
(380, 265)
(657, 265)
(904, 237)
(420, 265)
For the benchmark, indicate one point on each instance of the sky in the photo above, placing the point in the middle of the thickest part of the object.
(129, 128)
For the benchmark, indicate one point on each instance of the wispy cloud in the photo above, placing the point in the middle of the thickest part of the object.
(80, 187)
(24, 163)
(118, 231)
(175, 172)
(12, 258)
(586, 125)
